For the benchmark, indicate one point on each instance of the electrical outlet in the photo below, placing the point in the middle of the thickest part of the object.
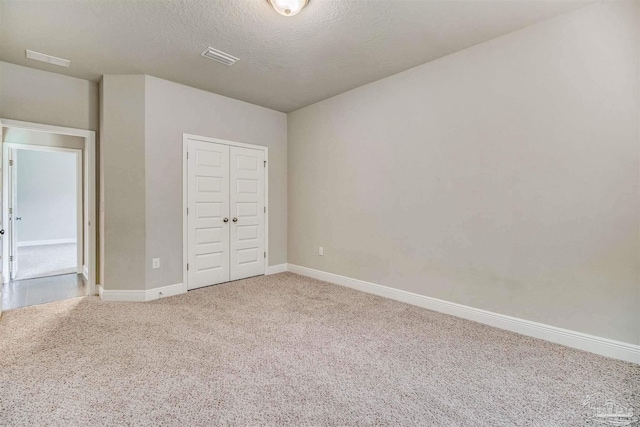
(321, 251)
(156, 263)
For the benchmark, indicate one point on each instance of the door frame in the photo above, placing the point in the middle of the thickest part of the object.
(6, 148)
(88, 190)
(185, 199)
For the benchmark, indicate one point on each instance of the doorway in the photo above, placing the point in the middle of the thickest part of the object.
(48, 213)
(45, 211)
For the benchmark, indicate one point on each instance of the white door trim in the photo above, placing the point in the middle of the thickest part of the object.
(88, 187)
(185, 244)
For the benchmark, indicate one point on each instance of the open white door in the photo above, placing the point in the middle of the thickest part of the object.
(2, 232)
(13, 214)
(79, 215)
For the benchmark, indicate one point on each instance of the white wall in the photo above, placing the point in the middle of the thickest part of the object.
(503, 177)
(46, 197)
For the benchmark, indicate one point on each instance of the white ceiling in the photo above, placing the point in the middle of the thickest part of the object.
(285, 62)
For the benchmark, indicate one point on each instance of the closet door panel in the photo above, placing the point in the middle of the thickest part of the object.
(247, 196)
(208, 204)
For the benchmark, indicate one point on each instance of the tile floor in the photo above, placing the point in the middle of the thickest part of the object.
(21, 293)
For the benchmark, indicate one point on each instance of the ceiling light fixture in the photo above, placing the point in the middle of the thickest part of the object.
(288, 7)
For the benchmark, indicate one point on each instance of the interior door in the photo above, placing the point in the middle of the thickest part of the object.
(13, 213)
(248, 212)
(208, 213)
(2, 231)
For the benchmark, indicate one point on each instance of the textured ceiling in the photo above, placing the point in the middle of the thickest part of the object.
(285, 62)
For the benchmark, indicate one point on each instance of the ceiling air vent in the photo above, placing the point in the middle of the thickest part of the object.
(221, 57)
(37, 56)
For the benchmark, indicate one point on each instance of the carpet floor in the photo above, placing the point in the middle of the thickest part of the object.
(46, 260)
(287, 350)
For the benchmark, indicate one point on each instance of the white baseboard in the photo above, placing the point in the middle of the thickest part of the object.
(119, 295)
(165, 291)
(275, 269)
(603, 346)
(141, 295)
(46, 242)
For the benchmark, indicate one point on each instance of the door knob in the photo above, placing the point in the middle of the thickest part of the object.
(235, 219)
(226, 220)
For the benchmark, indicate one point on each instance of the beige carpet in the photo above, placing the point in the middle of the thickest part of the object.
(287, 350)
(46, 260)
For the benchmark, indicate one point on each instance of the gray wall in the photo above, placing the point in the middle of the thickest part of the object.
(143, 119)
(46, 196)
(37, 96)
(173, 109)
(503, 177)
(29, 137)
(42, 97)
(122, 179)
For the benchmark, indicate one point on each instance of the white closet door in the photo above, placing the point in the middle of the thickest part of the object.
(208, 203)
(248, 212)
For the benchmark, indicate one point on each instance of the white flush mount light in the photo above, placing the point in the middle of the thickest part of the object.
(37, 56)
(288, 7)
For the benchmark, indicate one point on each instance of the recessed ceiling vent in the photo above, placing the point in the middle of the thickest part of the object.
(37, 56)
(221, 57)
